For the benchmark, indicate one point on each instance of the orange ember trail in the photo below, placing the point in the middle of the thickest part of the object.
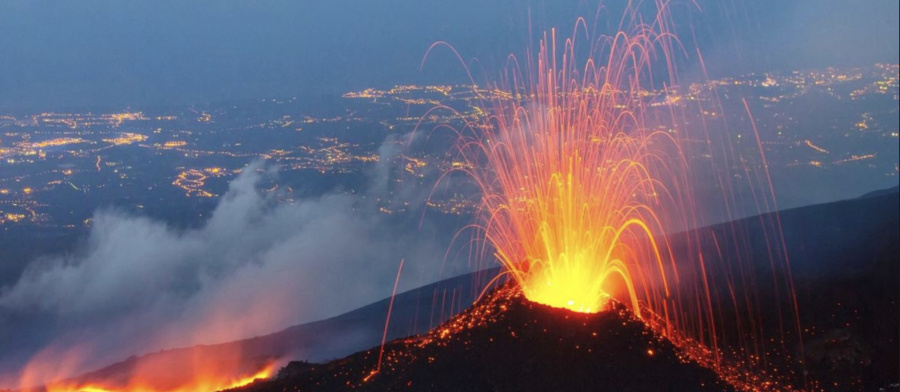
(387, 322)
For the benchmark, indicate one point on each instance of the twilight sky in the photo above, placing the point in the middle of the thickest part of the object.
(89, 53)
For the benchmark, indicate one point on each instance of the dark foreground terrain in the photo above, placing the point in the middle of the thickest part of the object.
(507, 343)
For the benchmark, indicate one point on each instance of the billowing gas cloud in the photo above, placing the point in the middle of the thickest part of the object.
(257, 265)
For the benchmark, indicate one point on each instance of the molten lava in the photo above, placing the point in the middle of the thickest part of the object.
(196, 369)
(580, 153)
(204, 382)
(573, 181)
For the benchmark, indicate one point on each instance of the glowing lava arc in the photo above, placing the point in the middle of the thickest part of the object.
(573, 183)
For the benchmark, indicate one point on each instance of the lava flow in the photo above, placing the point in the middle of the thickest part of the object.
(194, 369)
(210, 383)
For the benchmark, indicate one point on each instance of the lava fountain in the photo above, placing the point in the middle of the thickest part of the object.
(575, 186)
(580, 153)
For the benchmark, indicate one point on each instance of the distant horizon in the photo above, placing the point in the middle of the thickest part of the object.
(125, 106)
(108, 53)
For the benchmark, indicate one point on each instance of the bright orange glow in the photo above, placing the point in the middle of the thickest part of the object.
(208, 383)
(581, 154)
(192, 370)
(573, 182)
(260, 375)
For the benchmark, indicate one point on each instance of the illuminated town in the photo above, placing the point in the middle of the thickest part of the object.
(58, 168)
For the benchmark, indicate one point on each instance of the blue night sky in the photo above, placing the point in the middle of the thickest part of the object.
(110, 52)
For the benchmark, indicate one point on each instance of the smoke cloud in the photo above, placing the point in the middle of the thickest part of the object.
(256, 266)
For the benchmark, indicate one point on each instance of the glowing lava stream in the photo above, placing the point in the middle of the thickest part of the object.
(202, 384)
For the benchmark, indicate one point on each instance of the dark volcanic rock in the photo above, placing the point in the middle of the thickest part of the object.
(506, 343)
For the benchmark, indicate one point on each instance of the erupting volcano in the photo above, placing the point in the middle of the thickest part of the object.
(574, 185)
(506, 342)
(611, 270)
(582, 183)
